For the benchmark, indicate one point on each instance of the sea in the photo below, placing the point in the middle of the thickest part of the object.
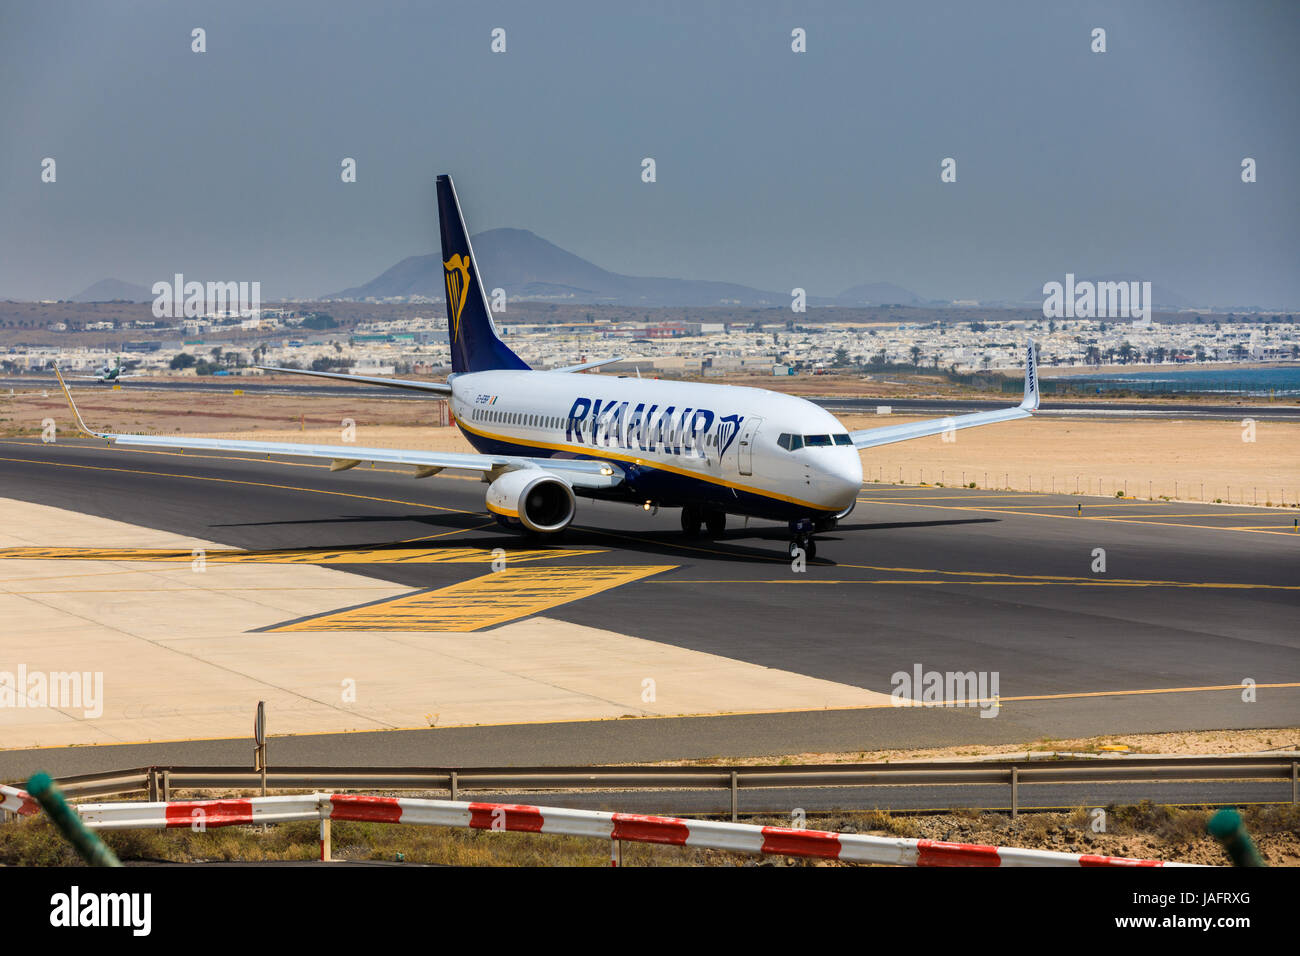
(1259, 382)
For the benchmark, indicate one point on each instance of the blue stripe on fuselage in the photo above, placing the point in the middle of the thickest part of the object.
(648, 483)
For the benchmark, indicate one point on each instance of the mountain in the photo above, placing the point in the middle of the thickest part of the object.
(877, 293)
(528, 266)
(1161, 297)
(113, 290)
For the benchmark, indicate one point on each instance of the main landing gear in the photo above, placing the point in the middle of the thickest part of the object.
(715, 522)
(801, 532)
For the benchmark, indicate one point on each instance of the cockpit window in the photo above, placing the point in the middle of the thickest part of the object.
(795, 442)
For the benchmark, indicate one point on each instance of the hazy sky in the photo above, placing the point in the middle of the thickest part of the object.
(775, 169)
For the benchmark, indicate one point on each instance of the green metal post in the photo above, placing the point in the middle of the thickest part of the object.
(1226, 827)
(91, 848)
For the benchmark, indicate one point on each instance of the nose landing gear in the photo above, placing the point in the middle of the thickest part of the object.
(802, 539)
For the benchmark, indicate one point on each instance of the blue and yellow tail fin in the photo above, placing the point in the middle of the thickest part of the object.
(475, 345)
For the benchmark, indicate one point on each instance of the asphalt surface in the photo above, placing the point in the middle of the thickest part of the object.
(948, 579)
(1284, 410)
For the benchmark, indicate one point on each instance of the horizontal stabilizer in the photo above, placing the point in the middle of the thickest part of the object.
(586, 365)
(439, 388)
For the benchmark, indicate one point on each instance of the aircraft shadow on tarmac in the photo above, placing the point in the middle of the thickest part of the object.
(658, 542)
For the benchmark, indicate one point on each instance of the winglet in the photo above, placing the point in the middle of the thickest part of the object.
(1031, 379)
(76, 415)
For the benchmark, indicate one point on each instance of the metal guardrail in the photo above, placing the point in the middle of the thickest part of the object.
(159, 782)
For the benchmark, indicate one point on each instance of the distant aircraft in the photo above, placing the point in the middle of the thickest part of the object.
(107, 374)
(545, 437)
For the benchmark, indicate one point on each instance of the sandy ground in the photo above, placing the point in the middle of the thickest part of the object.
(1185, 459)
(1192, 460)
(1188, 460)
(1180, 743)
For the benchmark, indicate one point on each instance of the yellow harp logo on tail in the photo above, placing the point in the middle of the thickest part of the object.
(457, 275)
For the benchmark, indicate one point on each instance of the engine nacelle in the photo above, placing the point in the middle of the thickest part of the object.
(828, 524)
(537, 499)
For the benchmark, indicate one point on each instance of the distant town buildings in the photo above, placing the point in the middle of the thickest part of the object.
(779, 345)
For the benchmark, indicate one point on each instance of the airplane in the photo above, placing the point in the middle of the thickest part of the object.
(107, 375)
(545, 437)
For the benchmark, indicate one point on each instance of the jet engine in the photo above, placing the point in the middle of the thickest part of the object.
(828, 524)
(539, 500)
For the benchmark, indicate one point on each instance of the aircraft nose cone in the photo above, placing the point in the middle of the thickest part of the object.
(841, 479)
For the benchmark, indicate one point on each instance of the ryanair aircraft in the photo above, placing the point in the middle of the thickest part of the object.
(545, 437)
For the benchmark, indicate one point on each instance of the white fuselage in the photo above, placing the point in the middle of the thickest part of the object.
(724, 447)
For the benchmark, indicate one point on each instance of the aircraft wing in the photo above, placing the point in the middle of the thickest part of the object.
(581, 473)
(871, 437)
(441, 388)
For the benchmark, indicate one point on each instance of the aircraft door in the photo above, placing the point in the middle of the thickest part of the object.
(745, 445)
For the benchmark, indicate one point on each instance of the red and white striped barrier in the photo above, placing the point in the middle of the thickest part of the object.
(199, 814)
(17, 801)
(601, 825)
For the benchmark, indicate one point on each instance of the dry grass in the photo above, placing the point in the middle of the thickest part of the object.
(1145, 830)
(1180, 742)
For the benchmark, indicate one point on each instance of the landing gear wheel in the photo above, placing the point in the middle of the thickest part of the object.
(691, 522)
(807, 545)
(715, 522)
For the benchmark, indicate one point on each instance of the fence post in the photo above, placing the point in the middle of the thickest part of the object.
(1015, 792)
(87, 844)
(166, 786)
(153, 785)
(735, 797)
(325, 850)
(1226, 826)
(259, 740)
(455, 785)
(1295, 782)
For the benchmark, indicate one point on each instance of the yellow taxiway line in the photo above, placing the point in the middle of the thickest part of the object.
(485, 601)
(1070, 517)
(342, 555)
(235, 481)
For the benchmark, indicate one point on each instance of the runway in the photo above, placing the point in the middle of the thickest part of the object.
(1194, 600)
